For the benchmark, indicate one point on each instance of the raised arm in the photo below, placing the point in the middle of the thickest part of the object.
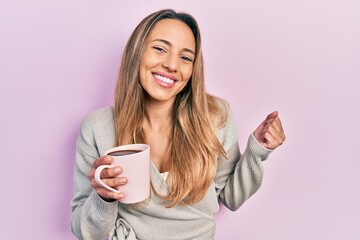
(240, 176)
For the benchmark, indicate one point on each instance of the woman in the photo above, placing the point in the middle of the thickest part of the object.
(160, 100)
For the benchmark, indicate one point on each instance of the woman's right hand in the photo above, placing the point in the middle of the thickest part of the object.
(110, 176)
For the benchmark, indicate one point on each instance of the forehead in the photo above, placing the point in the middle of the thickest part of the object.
(174, 31)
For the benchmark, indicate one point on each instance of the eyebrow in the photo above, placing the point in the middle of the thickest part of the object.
(169, 43)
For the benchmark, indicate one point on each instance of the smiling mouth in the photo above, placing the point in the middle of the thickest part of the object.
(163, 79)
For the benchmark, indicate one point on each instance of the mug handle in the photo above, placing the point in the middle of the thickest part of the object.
(100, 182)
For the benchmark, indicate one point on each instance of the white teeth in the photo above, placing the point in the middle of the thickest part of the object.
(164, 79)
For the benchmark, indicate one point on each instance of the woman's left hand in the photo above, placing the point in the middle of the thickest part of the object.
(270, 134)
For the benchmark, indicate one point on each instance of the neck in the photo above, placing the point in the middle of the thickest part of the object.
(158, 116)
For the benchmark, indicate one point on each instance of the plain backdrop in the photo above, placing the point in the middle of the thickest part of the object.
(59, 60)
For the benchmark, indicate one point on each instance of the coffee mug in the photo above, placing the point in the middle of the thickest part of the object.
(134, 159)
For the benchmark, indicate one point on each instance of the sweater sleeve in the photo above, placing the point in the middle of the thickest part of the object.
(92, 217)
(239, 176)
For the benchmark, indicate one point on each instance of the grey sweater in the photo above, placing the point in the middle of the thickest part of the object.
(237, 178)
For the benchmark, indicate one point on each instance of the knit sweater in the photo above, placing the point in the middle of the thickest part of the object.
(237, 178)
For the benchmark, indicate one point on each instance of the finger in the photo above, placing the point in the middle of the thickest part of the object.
(268, 119)
(91, 173)
(272, 115)
(111, 172)
(270, 141)
(106, 194)
(279, 128)
(115, 182)
(274, 133)
(102, 161)
(259, 129)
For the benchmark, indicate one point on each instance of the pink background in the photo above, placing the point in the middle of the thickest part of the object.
(59, 60)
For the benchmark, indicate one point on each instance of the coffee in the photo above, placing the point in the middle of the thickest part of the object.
(124, 152)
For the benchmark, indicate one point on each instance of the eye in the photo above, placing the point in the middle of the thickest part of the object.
(159, 49)
(186, 58)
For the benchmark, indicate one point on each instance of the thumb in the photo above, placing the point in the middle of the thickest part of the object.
(274, 114)
(258, 130)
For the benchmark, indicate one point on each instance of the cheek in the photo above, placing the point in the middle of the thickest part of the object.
(143, 68)
(144, 61)
(141, 73)
(188, 73)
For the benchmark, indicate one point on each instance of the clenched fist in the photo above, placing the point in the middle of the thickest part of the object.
(270, 134)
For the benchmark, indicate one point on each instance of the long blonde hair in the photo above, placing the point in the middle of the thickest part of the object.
(194, 147)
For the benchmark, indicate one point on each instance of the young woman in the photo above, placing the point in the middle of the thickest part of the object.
(160, 100)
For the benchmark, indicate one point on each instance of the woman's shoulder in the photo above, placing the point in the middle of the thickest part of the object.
(223, 119)
(223, 105)
(97, 129)
(219, 110)
(99, 116)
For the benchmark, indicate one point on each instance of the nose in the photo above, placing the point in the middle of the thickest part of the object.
(171, 63)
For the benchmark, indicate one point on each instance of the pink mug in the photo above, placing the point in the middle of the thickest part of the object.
(134, 159)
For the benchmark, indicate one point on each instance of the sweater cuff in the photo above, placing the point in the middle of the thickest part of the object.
(103, 210)
(256, 149)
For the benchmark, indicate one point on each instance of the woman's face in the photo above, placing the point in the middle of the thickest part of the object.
(167, 63)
